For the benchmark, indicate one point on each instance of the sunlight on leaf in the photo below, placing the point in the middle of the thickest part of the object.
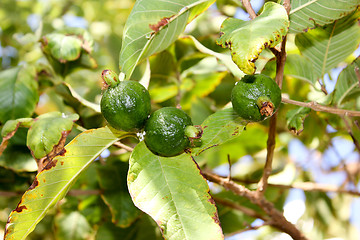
(174, 193)
(247, 39)
(326, 47)
(153, 25)
(308, 14)
(55, 180)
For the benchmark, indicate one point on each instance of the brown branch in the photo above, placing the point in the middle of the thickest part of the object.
(321, 108)
(306, 186)
(249, 9)
(123, 146)
(280, 66)
(277, 218)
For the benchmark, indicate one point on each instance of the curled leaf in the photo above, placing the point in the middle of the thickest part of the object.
(247, 39)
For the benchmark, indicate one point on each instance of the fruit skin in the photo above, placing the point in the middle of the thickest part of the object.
(256, 97)
(165, 131)
(126, 106)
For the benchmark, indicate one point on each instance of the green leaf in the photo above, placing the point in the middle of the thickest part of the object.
(220, 127)
(112, 179)
(295, 119)
(11, 126)
(172, 191)
(308, 14)
(152, 26)
(48, 131)
(55, 180)
(299, 67)
(18, 93)
(18, 158)
(203, 85)
(63, 47)
(347, 84)
(247, 39)
(72, 226)
(326, 47)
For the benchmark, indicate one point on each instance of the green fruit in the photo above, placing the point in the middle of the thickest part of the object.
(126, 106)
(256, 97)
(165, 131)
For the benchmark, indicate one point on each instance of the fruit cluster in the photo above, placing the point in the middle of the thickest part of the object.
(169, 131)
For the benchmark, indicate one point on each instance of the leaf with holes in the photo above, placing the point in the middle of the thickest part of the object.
(153, 25)
(347, 85)
(308, 14)
(55, 180)
(18, 93)
(295, 119)
(247, 39)
(328, 46)
(220, 127)
(174, 193)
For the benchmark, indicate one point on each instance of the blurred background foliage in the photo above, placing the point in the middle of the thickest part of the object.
(323, 153)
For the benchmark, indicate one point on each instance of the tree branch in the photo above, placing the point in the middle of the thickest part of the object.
(277, 218)
(249, 9)
(321, 108)
(123, 146)
(280, 66)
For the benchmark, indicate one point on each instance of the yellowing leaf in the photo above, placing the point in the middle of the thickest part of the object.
(247, 39)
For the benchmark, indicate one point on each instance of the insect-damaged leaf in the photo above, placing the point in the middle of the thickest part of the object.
(153, 25)
(247, 39)
(55, 180)
(172, 191)
(295, 119)
(48, 131)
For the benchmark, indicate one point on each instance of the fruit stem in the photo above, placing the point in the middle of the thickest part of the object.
(109, 78)
(265, 105)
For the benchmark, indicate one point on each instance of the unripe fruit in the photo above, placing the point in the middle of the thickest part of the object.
(126, 106)
(256, 97)
(165, 131)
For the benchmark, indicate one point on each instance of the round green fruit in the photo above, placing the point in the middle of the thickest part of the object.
(165, 131)
(256, 97)
(126, 106)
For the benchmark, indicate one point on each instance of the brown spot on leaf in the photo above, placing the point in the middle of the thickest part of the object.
(62, 163)
(20, 208)
(34, 184)
(163, 22)
(50, 165)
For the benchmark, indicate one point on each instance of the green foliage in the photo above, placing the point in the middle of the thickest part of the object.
(64, 174)
(164, 188)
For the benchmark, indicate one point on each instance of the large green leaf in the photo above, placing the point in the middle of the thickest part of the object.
(55, 180)
(172, 191)
(112, 179)
(328, 46)
(299, 67)
(153, 25)
(347, 84)
(247, 39)
(307, 14)
(220, 127)
(18, 93)
(48, 131)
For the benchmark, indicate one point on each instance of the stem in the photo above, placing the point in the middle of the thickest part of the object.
(249, 9)
(321, 108)
(277, 218)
